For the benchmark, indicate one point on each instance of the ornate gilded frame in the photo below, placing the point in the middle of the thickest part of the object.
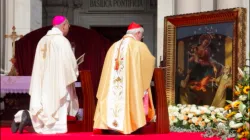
(171, 23)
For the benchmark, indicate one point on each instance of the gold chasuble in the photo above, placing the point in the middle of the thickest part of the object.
(124, 87)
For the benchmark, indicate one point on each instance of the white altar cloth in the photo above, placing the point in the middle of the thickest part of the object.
(18, 84)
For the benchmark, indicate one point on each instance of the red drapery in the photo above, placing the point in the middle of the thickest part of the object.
(83, 40)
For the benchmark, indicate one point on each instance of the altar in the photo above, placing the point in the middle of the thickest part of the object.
(18, 84)
(15, 84)
(14, 95)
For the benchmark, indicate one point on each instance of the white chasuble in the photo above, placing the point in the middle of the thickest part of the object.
(52, 83)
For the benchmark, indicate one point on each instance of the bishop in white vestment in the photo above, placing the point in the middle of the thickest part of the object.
(52, 89)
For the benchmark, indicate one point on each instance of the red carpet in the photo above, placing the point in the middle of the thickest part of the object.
(7, 135)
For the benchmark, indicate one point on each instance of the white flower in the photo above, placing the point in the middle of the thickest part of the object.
(238, 116)
(203, 109)
(184, 106)
(221, 126)
(207, 120)
(221, 109)
(180, 117)
(217, 110)
(202, 124)
(190, 115)
(184, 122)
(211, 108)
(184, 111)
(225, 112)
(243, 97)
(179, 105)
(181, 108)
(171, 123)
(206, 106)
(175, 120)
(213, 113)
(212, 116)
(215, 120)
(232, 124)
(209, 124)
(197, 112)
(173, 109)
(204, 117)
(193, 105)
(175, 114)
(208, 111)
(193, 109)
(220, 114)
(194, 119)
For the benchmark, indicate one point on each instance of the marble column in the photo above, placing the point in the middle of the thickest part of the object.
(8, 42)
(2, 32)
(225, 4)
(26, 16)
(208, 5)
(35, 14)
(164, 8)
(187, 6)
(70, 11)
(246, 4)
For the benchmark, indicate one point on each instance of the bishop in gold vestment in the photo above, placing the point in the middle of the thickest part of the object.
(124, 94)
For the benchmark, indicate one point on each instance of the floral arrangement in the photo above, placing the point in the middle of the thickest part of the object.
(194, 118)
(230, 121)
(237, 112)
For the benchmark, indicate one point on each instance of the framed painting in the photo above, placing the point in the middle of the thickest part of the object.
(202, 52)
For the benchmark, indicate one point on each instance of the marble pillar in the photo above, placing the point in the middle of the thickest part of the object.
(35, 14)
(8, 42)
(26, 16)
(2, 32)
(208, 5)
(225, 4)
(187, 6)
(164, 8)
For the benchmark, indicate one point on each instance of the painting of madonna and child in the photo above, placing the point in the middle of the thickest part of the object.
(203, 64)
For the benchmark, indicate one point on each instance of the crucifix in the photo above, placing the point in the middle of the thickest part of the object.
(13, 36)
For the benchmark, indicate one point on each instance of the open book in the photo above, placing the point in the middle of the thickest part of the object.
(80, 59)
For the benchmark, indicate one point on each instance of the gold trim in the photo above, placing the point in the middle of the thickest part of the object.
(240, 58)
(169, 49)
